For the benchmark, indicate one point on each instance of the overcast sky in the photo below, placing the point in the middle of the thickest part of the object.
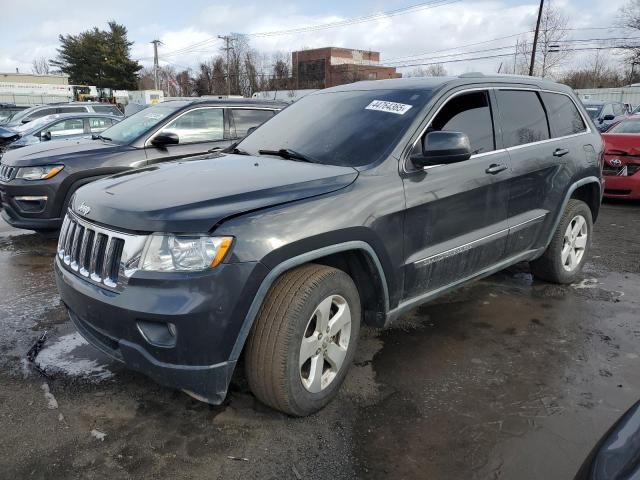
(30, 28)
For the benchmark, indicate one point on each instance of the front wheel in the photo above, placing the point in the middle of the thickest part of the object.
(304, 339)
(567, 252)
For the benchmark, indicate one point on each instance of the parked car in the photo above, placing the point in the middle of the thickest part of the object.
(605, 114)
(38, 111)
(60, 126)
(37, 181)
(354, 204)
(8, 110)
(622, 159)
(615, 457)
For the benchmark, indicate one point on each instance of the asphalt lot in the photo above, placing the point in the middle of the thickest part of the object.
(508, 378)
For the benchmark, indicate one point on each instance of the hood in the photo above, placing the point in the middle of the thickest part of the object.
(7, 135)
(60, 151)
(619, 143)
(193, 196)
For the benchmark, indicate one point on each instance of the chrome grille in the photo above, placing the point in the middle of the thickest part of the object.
(102, 256)
(7, 173)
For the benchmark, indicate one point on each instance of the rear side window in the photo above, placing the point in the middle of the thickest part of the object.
(522, 117)
(564, 118)
(245, 119)
(97, 125)
(73, 109)
(468, 113)
(110, 109)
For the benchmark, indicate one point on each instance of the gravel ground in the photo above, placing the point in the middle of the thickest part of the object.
(507, 378)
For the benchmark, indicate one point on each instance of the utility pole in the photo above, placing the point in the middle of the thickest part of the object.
(155, 63)
(535, 39)
(515, 58)
(227, 41)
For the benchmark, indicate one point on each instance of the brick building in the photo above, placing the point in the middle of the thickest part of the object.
(331, 66)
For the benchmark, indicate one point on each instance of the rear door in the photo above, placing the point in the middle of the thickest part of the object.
(199, 130)
(541, 133)
(456, 214)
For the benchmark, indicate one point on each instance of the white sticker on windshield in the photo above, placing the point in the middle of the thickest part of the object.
(391, 107)
(153, 115)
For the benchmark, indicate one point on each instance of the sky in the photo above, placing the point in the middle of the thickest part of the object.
(30, 28)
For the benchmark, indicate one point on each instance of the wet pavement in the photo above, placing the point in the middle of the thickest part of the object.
(507, 378)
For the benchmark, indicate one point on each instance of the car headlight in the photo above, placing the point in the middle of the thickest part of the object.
(39, 173)
(178, 253)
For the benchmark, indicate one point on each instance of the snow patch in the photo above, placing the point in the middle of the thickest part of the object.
(59, 357)
(98, 435)
(52, 403)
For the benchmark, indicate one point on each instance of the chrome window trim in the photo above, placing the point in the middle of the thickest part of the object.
(504, 149)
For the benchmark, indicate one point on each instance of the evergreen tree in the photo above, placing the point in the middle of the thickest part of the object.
(98, 57)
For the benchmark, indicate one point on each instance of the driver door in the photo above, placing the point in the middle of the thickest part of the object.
(456, 214)
(199, 131)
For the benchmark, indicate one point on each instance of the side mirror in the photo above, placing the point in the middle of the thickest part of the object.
(608, 118)
(163, 139)
(25, 120)
(251, 130)
(45, 136)
(443, 148)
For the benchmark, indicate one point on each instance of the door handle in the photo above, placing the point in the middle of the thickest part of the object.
(560, 152)
(495, 168)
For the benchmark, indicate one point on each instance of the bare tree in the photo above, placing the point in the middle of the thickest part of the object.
(552, 51)
(40, 66)
(630, 18)
(596, 73)
(436, 70)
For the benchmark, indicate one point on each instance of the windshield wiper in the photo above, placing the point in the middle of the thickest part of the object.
(100, 137)
(233, 148)
(287, 154)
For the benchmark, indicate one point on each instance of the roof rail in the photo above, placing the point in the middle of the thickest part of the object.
(472, 75)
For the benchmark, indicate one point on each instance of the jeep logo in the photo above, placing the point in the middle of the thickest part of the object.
(83, 209)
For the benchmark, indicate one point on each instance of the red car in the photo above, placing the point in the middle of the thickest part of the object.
(622, 159)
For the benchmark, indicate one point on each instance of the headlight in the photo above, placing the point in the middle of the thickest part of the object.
(39, 173)
(172, 253)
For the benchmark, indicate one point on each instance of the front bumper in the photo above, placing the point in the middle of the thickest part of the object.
(207, 310)
(31, 205)
(622, 187)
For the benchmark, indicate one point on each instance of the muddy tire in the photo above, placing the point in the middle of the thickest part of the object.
(565, 256)
(304, 339)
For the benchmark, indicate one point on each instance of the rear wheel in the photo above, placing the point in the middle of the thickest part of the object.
(566, 254)
(304, 339)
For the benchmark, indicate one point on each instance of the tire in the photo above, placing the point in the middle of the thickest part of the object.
(555, 265)
(295, 310)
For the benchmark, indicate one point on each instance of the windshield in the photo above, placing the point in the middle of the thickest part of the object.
(352, 128)
(626, 126)
(132, 127)
(16, 119)
(593, 110)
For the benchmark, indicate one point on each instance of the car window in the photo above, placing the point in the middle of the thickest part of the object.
(97, 125)
(73, 126)
(41, 113)
(564, 117)
(468, 113)
(626, 126)
(618, 109)
(200, 125)
(607, 110)
(522, 117)
(73, 109)
(110, 109)
(245, 118)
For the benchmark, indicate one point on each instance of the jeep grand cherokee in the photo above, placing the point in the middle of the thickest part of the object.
(353, 205)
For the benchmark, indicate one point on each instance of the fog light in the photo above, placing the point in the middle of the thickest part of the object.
(159, 334)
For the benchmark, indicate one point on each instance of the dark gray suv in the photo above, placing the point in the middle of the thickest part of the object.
(353, 205)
